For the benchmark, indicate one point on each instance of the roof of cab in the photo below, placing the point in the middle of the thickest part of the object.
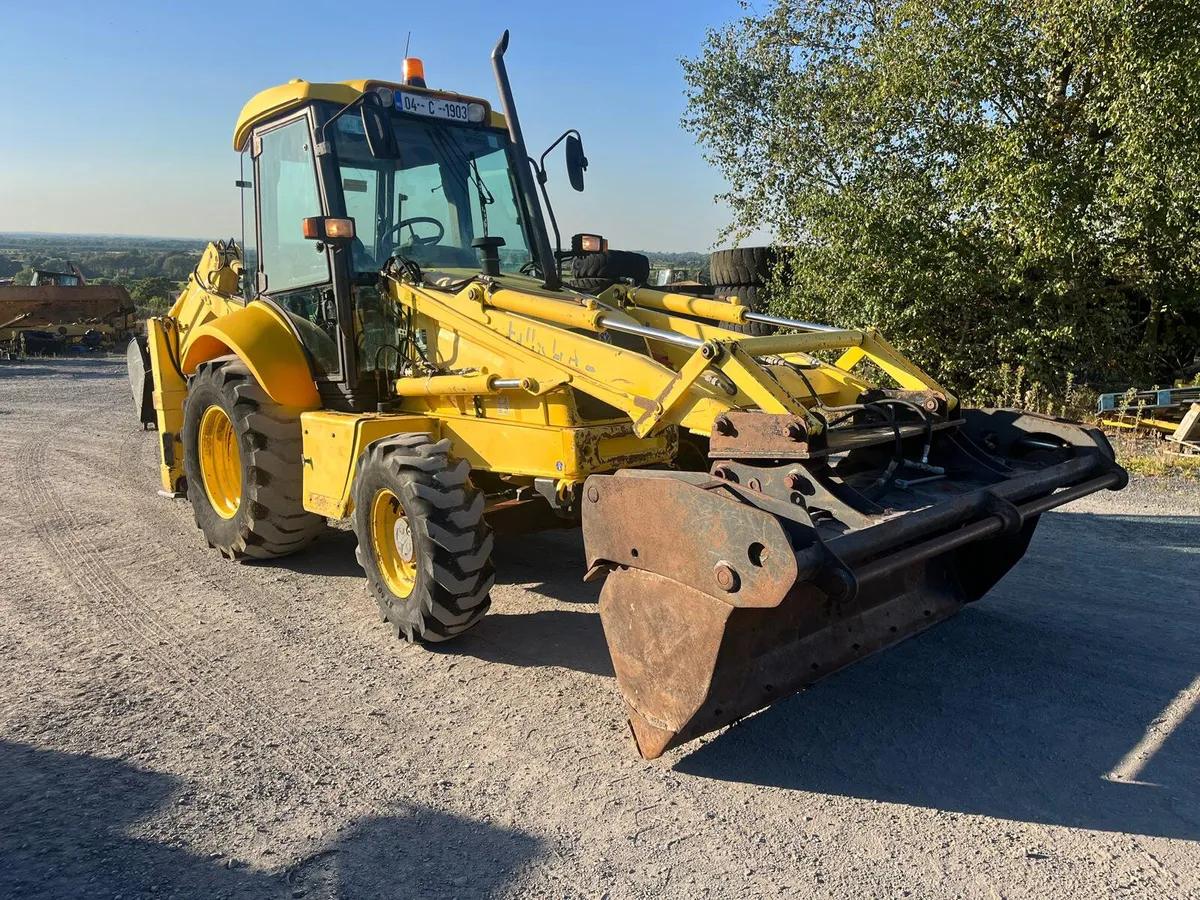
(297, 92)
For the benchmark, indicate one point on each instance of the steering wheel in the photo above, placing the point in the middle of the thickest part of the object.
(394, 234)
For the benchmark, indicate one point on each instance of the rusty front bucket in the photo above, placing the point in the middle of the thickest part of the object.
(722, 598)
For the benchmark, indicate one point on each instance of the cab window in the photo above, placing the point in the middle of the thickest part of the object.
(287, 176)
(297, 271)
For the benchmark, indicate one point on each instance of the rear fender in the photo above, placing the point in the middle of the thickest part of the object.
(260, 337)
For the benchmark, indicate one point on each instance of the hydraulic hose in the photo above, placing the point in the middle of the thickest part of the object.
(923, 413)
(881, 485)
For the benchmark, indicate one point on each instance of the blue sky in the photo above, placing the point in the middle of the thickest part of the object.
(139, 101)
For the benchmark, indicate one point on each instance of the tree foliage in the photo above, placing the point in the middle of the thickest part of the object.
(145, 291)
(987, 181)
(112, 257)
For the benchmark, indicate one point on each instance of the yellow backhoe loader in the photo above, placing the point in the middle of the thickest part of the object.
(393, 342)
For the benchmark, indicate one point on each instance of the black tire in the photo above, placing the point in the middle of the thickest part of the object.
(591, 285)
(137, 360)
(270, 519)
(452, 543)
(610, 266)
(743, 265)
(753, 296)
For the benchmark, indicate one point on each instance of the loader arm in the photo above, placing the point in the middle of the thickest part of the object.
(552, 339)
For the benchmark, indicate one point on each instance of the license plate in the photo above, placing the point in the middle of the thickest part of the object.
(438, 107)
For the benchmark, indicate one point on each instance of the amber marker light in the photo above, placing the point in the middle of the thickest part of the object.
(413, 71)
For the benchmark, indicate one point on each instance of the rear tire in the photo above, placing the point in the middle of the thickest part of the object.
(743, 265)
(591, 285)
(266, 518)
(600, 270)
(422, 540)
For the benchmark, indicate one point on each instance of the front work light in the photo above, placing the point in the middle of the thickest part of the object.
(327, 228)
(588, 243)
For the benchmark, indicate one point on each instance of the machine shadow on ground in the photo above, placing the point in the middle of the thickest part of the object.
(331, 555)
(1020, 706)
(560, 638)
(68, 818)
(550, 564)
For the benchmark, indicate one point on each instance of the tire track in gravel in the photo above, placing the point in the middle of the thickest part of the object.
(143, 628)
(245, 695)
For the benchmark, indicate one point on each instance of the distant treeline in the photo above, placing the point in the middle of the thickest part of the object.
(150, 268)
(100, 257)
(126, 260)
(686, 260)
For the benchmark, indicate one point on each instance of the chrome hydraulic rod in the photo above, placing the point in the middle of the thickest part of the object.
(788, 323)
(654, 334)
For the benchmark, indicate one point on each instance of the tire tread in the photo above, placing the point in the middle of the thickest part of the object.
(459, 541)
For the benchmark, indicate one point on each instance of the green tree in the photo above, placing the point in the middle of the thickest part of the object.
(150, 295)
(178, 266)
(987, 181)
(146, 289)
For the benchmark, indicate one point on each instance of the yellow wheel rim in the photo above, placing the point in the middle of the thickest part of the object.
(392, 543)
(220, 462)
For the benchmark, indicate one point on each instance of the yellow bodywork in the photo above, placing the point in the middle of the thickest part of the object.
(210, 320)
(272, 102)
(512, 364)
(259, 336)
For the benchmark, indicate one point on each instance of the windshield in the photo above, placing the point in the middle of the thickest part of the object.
(452, 185)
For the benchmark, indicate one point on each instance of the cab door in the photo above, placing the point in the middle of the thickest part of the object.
(294, 273)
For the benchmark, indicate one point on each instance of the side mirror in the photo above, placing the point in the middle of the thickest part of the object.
(576, 162)
(381, 140)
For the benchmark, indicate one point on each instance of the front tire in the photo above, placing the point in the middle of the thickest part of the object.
(242, 458)
(422, 540)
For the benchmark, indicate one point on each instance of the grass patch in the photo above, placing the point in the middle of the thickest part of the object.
(1163, 465)
(1147, 455)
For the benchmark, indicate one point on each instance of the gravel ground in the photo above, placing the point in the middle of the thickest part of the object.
(172, 725)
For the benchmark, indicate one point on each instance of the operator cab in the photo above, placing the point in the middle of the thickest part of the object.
(406, 176)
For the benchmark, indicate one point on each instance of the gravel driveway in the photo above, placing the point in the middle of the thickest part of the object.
(173, 725)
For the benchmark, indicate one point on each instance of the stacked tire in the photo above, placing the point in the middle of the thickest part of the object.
(744, 273)
(596, 272)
